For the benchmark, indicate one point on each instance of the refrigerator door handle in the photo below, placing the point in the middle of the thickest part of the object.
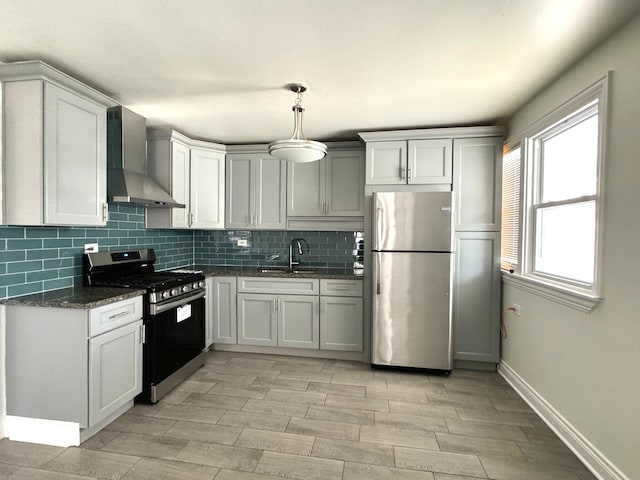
(378, 227)
(377, 273)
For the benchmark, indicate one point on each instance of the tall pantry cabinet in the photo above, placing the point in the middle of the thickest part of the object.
(467, 161)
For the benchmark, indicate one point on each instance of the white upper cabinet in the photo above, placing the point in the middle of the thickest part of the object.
(255, 191)
(54, 144)
(206, 178)
(193, 173)
(417, 162)
(477, 183)
(331, 187)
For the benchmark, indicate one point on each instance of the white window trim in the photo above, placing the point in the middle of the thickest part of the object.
(523, 277)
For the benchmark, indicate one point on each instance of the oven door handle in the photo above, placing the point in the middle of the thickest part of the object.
(157, 309)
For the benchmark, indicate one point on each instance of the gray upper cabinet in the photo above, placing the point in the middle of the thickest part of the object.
(327, 193)
(54, 144)
(255, 191)
(412, 162)
(193, 172)
(477, 183)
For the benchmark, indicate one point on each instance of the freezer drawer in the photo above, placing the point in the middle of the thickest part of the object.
(411, 317)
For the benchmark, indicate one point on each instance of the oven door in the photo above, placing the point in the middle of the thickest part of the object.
(174, 336)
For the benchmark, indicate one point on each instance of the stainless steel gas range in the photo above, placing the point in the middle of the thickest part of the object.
(174, 314)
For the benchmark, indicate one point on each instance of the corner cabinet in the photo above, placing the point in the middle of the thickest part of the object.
(255, 190)
(327, 194)
(193, 172)
(80, 365)
(54, 144)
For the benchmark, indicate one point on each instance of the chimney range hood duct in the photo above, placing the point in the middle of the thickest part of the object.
(127, 180)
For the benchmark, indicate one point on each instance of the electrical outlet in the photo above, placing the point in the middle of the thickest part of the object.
(90, 247)
(517, 309)
(243, 242)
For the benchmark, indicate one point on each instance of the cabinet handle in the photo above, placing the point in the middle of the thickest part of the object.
(409, 172)
(190, 218)
(118, 315)
(402, 171)
(105, 212)
(143, 334)
(326, 211)
(275, 306)
(340, 287)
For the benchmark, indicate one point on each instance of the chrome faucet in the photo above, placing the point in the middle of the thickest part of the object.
(296, 246)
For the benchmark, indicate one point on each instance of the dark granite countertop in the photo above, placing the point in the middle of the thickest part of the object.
(212, 270)
(76, 297)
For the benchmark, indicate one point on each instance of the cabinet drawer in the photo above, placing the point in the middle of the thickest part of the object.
(341, 288)
(108, 317)
(292, 286)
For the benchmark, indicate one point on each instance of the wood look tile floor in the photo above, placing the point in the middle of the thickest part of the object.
(262, 417)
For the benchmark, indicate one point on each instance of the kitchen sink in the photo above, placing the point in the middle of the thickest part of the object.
(285, 270)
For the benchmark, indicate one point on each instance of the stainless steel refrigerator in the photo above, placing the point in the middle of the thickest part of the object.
(412, 256)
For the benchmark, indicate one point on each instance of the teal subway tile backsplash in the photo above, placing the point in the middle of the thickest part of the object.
(37, 259)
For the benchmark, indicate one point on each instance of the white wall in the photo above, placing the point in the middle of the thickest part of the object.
(587, 366)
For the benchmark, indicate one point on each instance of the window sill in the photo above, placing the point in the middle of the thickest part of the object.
(575, 300)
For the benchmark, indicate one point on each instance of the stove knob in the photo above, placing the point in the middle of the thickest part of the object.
(201, 284)
(194, 286)
(174, 291)
(185, 288)
(165, 294)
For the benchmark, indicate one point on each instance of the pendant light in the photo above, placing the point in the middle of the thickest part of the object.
(298, 149)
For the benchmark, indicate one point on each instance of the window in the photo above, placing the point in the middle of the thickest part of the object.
(510, 210)
(556, 243)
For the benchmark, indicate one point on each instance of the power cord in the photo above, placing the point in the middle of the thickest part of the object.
(503, 326)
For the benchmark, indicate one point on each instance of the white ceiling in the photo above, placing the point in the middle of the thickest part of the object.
(217, 69)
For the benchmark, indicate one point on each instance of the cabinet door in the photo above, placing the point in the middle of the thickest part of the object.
(305, 189)
(222, 302)
(477, 183)
(298, 321)
(270, 193)
(430, 161)
(239, 191)
(345, 183)
(75, 162)
(257, 319)
(476, 301)
(207, 189)
(180, 155)
(386, 163)
(115, 370)
(341, 323)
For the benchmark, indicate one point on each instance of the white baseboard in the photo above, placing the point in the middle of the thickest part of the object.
(588, 454)
(47, 432)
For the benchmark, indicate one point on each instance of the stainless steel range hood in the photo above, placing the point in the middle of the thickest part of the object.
(127, 180)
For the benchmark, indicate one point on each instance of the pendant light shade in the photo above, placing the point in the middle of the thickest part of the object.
(297, 148)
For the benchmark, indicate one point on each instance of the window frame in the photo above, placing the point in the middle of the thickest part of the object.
(566, 291)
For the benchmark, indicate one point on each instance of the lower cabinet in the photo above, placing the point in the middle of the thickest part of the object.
(476, 300)
(220, 326)
(257, 319)
(298, 321)
(115, 366)
(77, 366)
(306, 313)
(278, 320)
(341, 323)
